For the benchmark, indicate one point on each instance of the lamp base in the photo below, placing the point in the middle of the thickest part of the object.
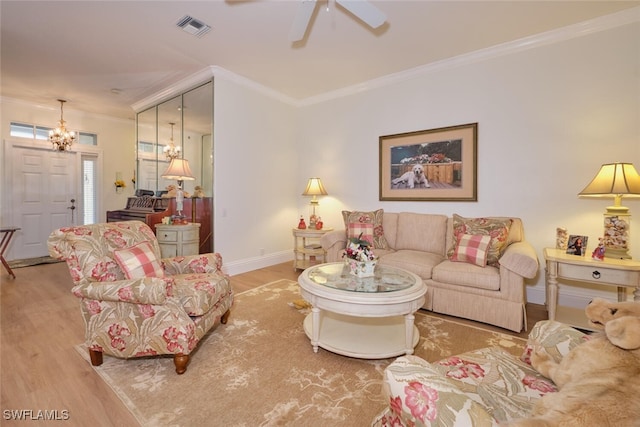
(616, 235)
(616, 253)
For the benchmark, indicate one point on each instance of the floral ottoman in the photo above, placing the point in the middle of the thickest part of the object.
(480, 388)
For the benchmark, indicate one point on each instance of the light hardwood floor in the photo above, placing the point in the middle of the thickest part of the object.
(40, 323)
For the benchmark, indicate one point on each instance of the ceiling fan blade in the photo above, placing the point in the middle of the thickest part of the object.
(365, 11)
(301, 20)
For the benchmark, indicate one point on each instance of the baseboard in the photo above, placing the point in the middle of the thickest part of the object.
(249, 264)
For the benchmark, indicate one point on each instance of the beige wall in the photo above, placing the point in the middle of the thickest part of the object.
(548, 118)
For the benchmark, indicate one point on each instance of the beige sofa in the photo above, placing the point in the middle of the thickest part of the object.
(420, 242)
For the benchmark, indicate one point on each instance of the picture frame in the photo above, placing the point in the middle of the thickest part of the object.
(577, 245)
(447, 157)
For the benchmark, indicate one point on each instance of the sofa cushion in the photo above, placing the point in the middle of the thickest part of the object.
(472, 248)
(497, 228)
(503, 384)
(464, 274)
(417, 262)
(200, 292)
(375, 218)
(418, 394)
(556, 339)
(422, 232)
(390, 224)
(138, 261)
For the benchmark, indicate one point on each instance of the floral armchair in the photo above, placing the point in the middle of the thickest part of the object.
(135, 304)
(485, 387)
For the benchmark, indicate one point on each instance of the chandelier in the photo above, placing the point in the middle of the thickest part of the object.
(170, 150)
(60, 137)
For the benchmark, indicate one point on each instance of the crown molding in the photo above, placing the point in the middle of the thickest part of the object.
(581, 29)
(244, 81)
(189, 82)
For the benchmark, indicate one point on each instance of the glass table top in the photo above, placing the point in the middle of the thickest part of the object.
(337, 276)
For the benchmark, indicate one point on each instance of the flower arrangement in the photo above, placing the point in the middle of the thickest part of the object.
(359, 257)
(359, 249)
(119, 183)
(425, 159)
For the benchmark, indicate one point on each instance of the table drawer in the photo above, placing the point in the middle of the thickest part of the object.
(188, 235)
(168, 236)
(599, 275)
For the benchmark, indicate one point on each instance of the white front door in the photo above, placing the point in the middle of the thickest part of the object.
(44, 196)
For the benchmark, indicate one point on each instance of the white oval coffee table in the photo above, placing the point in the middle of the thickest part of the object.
(366, 318)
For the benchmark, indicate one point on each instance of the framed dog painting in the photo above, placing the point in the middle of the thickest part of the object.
(430, 165)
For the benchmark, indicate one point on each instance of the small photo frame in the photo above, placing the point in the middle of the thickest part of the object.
(577, 245)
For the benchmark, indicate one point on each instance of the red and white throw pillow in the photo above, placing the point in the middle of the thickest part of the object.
(139, 261)
(472, 248)
(374, 218)
(356, 228)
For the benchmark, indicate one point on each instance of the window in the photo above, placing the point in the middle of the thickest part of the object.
(89, 185)
(87, 138)
(23, 130)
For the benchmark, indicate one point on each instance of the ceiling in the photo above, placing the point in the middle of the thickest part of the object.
(105, 56)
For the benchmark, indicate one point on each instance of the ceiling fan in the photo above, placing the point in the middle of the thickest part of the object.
(361, 9)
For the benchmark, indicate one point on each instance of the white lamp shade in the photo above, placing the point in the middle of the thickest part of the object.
(179, 170)
(315, 188)
(614, 179)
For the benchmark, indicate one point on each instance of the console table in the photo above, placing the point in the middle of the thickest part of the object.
(622, 273)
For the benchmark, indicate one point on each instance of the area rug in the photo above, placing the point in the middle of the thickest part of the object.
(260, 370)
(28, 262)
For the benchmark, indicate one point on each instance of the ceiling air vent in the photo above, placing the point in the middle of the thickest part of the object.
(193, 26)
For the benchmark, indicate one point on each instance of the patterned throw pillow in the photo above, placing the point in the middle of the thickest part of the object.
(366, 228)
(472, 248)
(375, 218)
(139, 261)
(497, 228)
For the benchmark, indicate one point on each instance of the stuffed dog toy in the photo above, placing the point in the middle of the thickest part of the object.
(598, 380)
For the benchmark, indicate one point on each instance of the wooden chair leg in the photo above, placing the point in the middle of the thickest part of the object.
(96, 357)
(181, 361)
(225, 317)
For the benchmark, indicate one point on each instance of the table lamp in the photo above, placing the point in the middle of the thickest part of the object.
(615, 180)
(314, 188)
(179, 170)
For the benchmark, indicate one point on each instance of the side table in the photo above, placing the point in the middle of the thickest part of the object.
(7, 234)
(307, 250)
(178, 240)
(622, 273)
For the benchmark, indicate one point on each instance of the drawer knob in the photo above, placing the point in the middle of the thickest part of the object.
(595, 274)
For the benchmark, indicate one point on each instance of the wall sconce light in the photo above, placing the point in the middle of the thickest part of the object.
(314, 188)
(615, 180)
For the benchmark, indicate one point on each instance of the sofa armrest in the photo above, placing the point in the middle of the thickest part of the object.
(149, 290)
(415, 391)
(556, 338)
(521, 258)
(203, 263)
(334, 242)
